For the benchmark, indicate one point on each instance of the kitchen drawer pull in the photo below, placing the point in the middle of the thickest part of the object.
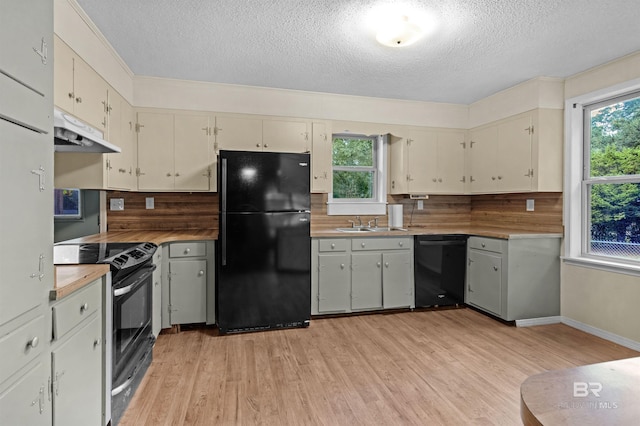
(342, 266)
(187, 251)
(201, 273)
(84, 307)
(379, 264)
(386, 264)
(362, 245)
(33, 343)
(333, 245)
(96, 343)
(401, 243)
(483, 245)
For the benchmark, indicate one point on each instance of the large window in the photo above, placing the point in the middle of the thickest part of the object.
(611, 179)
(67, 204)
(358, 164)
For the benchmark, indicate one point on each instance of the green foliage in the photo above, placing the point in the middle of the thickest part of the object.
(615, 151)
(353, 160)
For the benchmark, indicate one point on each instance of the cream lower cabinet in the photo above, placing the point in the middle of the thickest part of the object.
(77, 375)
(514, 279)
(522, 153)
(188, 293)
(361, 274)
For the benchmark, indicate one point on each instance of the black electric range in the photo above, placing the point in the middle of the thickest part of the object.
(123, 258)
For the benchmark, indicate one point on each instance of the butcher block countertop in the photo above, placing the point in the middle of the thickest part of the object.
(69, 278)
(435, 230)
(142, 236)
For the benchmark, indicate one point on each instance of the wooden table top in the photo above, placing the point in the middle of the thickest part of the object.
(607, 393)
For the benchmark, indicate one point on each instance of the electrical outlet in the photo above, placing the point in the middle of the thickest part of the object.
(420, 204)
(116, 203)
(531, 205)
(149, 203)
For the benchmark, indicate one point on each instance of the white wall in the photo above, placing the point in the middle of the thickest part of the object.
(607, 301)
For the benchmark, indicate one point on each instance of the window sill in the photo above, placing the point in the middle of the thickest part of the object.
(360, 208)
(603, 265)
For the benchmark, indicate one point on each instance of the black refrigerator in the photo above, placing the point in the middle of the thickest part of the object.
(264, 244)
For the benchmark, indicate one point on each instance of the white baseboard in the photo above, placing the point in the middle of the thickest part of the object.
(529, 322)
(623, 341)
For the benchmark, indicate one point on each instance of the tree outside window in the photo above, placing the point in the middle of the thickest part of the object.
(612, 177)
(354, 167)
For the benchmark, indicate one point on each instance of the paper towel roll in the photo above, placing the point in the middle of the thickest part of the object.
(395, 215)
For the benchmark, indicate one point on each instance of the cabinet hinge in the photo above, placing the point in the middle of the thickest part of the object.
(464, 179)
(409, 141)
(138, 171)
(138, 127)
(464, 145)
(108, 164)
(471, 144)
(529, 129)
(215, 130)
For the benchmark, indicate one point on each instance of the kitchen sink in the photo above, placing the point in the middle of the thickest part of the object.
(356, 230)
(364, 229)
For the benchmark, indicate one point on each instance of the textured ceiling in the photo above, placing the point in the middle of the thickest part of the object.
(479, 47)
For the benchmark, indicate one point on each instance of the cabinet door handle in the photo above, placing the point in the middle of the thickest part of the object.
(257, 145)
(84, 307)
(379, 264)
(386, 264)
(96, 343)
(79, 100)
(201, 273)
(342, 266)
(266, 145)
(71, 95)
(495, 268)
(168, 174)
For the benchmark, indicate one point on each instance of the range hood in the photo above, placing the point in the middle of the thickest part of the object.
(72, 135)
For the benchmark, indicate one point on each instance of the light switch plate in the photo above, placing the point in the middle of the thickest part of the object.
(149, 203)
(116, 203)
(420, 205)
(531, 205)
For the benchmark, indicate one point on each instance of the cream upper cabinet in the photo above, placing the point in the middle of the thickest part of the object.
(285, 136)
(121, 166)
(155, 151)
(422, 161)
(193, 162)
(175, 152)
(451, 162)
(321, 157)
(483, 151)
(430, 161)
(522, 153)
(78, 89)
(238, 133)
(104, 171)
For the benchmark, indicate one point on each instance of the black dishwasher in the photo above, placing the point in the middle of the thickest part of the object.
(440, 266)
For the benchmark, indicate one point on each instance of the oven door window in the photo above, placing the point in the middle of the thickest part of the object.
(131, 316)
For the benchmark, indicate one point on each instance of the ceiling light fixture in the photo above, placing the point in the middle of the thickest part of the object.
(400, 31)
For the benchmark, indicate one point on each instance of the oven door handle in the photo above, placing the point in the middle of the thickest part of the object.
(116, 391)
(124, 290)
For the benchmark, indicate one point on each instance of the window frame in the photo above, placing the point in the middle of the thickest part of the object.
(75, 216)
(577, 180)
(361, 206)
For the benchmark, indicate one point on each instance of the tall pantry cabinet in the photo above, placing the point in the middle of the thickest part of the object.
(26, 212)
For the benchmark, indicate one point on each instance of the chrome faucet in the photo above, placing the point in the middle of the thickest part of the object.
(353, 222)
(375, 222)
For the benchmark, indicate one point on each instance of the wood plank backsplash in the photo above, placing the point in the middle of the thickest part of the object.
(198, 211)
(173, 211)
(508, 211)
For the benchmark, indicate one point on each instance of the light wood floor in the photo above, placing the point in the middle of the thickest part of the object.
(416, 368)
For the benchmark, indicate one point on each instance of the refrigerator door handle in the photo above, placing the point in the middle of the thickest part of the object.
(223, 183)
(223, 213)
(223, 238)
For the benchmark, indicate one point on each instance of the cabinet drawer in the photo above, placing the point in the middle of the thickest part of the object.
(198, 249)
(75, 308)
(358, 244)
(21, 346)
(332, 245)
(489, 244)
